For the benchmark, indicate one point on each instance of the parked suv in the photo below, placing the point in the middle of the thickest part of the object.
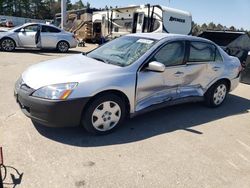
(125, 77)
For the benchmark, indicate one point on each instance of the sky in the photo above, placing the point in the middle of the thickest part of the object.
(226, 12)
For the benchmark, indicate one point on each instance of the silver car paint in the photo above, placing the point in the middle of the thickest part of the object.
(48, 40)
(142, 88)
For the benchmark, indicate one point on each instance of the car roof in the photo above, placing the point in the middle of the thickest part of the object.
(32, 23)
(160, 36)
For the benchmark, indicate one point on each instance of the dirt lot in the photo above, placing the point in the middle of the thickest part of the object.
(188, 145)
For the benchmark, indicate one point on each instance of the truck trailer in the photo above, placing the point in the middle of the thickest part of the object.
(141, 19)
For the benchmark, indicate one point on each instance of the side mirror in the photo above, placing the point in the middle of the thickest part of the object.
(156, 66)
(22, 30)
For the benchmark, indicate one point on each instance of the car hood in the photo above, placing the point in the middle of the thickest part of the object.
(74, 68)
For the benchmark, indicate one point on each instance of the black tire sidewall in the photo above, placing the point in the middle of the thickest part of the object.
(87, 114)
(209, 96)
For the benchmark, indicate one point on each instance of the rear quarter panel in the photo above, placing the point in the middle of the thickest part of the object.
(229, 70)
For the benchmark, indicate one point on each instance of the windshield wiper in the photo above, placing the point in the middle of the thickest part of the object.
(117, 64)
(102, 60)
(108, 62)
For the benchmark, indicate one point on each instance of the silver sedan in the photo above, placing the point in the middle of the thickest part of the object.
(127, 76)
(37, 35)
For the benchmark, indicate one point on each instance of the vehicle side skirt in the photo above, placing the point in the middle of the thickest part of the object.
(168, 103)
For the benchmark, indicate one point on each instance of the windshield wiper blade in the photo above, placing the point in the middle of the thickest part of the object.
(102, 60)
(117, 64)
(108, 62)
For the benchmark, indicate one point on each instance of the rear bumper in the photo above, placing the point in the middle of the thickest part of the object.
(51, 113)
(234, 83)
(73, 43)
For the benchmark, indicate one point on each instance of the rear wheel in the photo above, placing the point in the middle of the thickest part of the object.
(63, 46)
(104, 114)
(217, 94)
(8, 45)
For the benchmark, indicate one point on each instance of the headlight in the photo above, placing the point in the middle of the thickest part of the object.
(55, 92)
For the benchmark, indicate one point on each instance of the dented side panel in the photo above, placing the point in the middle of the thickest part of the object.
(194, 80)
(155, 88)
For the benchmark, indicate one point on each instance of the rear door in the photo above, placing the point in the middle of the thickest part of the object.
(49, 36)
(154, 87)
(203, 66)
(26, 36)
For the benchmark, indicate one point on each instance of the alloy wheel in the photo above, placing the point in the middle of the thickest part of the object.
(8, 45)
(63, 47)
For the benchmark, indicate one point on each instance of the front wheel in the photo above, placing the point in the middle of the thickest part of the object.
(8, 45)
(63, 46)
(104, 114)
(217, 94)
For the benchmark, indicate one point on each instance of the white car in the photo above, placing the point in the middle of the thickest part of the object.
(37, 35)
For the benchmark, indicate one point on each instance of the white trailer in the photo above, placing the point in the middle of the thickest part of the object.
(139, 19)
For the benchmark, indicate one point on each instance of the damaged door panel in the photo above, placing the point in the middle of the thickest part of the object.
(194, 76)
(155, 88)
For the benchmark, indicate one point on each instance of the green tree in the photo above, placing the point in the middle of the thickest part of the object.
(232, 28)
(219, 27)
(79, 4)
(88, 5)
(204, 27)
(211, 26)
(196, 29)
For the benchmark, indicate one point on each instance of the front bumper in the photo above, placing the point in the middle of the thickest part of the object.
(51, 113)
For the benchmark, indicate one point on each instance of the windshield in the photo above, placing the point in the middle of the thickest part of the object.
(122, 51)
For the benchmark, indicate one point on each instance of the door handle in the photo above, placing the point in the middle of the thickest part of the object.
(179, 73)
(216, 68)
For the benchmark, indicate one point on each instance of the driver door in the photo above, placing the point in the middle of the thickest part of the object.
(158, 87)
(27, 35)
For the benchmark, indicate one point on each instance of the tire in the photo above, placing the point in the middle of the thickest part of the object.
(216, 94)
(63, 46)
(104, 114)
(8, 45)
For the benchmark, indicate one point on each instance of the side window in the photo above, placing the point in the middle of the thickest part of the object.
(172, 54)
(218, 57)
(201, 52)
(31, 28)
(48, 29)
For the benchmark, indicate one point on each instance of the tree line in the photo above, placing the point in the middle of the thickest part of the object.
(198, 29)
(37, 9)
